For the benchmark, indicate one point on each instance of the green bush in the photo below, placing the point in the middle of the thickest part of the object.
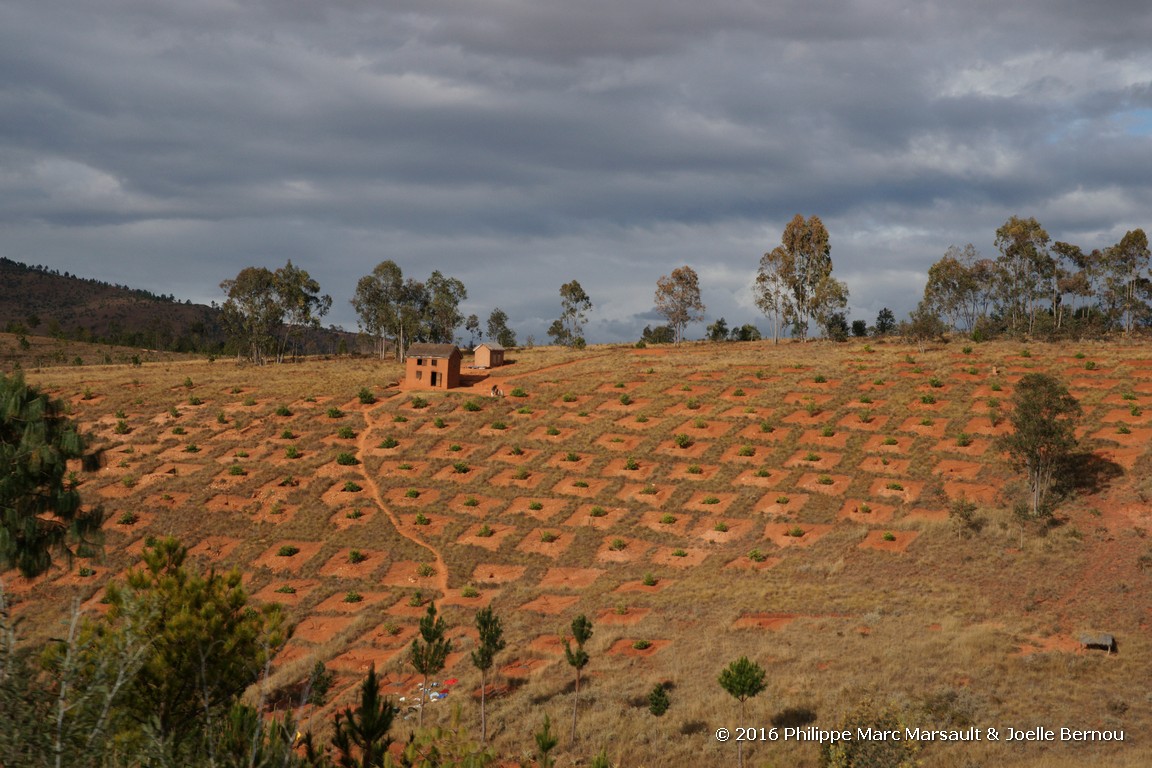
(287, 551)
(346, 460)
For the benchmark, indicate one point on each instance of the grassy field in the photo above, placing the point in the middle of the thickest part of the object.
(698, 504)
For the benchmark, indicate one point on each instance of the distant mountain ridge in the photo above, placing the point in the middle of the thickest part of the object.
(46, 302)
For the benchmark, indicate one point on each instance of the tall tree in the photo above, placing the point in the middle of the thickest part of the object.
(444, 295)
(1026, 272)
(717, 331)
(377, 302)
(577, 658)
(771, 291)
(302, 304)
(803, 260)
(429, 651)
(1127, 266)
(742, 679)
(472, 325)
(1043, 436)
(953, 288)
(828, 304)
(253, 312)
(490, 641)
(361, 736)
(40, 509)
(678, 299)
(207, 645)
(575, 305)
(498, 328)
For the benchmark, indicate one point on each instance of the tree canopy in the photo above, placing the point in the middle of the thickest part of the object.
(678, 299)
(40, 510)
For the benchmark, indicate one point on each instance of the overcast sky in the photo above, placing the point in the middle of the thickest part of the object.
(519, 144)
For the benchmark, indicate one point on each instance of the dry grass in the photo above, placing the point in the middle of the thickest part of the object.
(942, 622)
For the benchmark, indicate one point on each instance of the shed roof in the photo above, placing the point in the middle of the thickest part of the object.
(490, 345)
(432, 350)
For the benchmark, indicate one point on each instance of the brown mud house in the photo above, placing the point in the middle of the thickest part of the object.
(432, 366)
(488, 355)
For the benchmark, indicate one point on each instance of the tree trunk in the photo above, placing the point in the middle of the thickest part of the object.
(483, 720)
(575, 702)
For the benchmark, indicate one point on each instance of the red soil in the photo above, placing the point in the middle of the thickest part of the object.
(777, 533)
(491, 543)
(772, 621)
(630, 422)
(699, 502)
(629, 587)
(216, 547)
(634, 549)
(899, 543)
(568, 486)
(877, 513)
(979, 492)
(810, 481)
(497, 573)
(635, 492)
(816, 437)
(624, 647)
(550, 605)
(340, 566)
(516, 478)
(876, 443)
(908, 492)
(824, 459)
(693, 557)
(406, 573)
(642, 470)
(321, 629)
(613, 617)
(270, 594)
(655, 521)
(745, 563)
(618, 442)
(570, 578)
(884, 465)
(770, 505)
(737, 529)
(855, 421)
(754, 477)
(913, 424)
(338, 604)
(680, 471)
(583, 517)
(533, 543)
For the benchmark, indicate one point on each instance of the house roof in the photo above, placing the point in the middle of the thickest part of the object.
(432, 350)
(490, 345)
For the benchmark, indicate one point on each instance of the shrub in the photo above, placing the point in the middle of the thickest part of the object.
(617, 545)
(625, 399)
(1090, 365)
(935, 383)
(439, 423)
(399, 419)
(355, 514)
(648, 490)
(710, 500)
(84, 572)
(516, 451)
(757, 556)
(461, 468)
(335, 413)
(642, 645)
(425, 570)
(417, 599)
(928, 399)
(351, 487)
(693, 404)
(366, 396)
(738, 392)
(525, 410)
(865, 399)
(766, 427)
(824, 480)
(128, 518)
(286, 589)
(353, 597)
(389, 442)
(471, 501)
(571, 456)
(631, 464)
(641, 419)
(568, 397)
(597, 512)
(549, 536)
(412, 493)
(552, 431)
(356, 556)
(421, 519)
(890, 441)
(472, 406)
(894, 487)
(700, 424)
(122, 427)
(469, 592)
(1123, 429)
(683, 440)
(292, 452)
(679, 553)
(287, 551)
(524, 474)
(287, 435)
(346, 433)
(237, 471)
(249, 401)
(795, 532)
(782, 500)
(864, 509)
(668, 519)
(820, 378)
(485, 531)
(346, 460)
(650, 580)
(499, 425)
(283, 410)
(926, 422)
(964, 440)
(746, 450)
(828, 432)
(763, 472)
(418, 402)
(695, 469)
(179, 431)
(720, 527)
(966, 350)
(810, 456)
(889, 536)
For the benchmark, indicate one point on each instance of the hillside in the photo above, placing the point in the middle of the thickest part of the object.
(697, 503)
(47, 303)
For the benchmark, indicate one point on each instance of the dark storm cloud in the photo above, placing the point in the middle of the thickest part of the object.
(518, 144)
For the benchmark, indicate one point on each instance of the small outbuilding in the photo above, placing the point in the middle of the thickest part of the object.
(488, 355)
(432, 366)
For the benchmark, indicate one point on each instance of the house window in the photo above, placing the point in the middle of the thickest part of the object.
(434, 363)
(419, 361)
(419, 375)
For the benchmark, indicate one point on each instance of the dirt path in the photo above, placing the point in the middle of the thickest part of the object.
(374, 488)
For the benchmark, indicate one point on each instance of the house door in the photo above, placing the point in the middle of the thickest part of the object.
(435, 379)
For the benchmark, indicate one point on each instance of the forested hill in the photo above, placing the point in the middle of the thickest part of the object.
(43, 302)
